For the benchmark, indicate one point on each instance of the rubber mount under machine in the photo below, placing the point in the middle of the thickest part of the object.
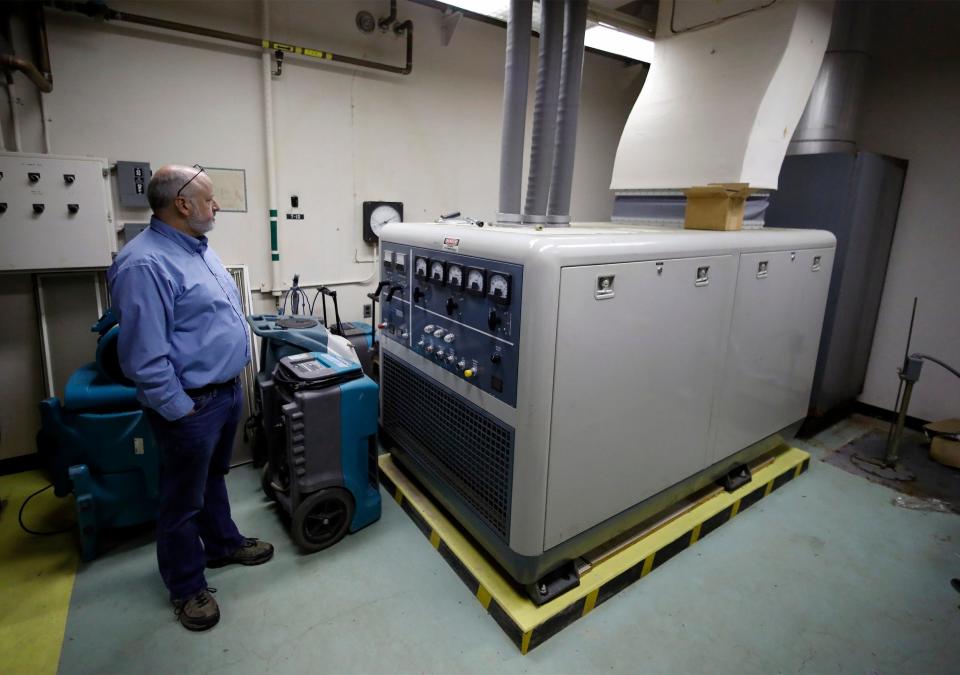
(736, 478)
(553, 584)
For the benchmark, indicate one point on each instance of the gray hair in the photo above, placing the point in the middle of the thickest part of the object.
(166, 181)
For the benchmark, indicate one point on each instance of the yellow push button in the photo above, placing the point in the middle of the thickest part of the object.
(468, 373)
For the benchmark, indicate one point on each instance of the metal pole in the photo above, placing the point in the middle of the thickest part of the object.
(892, 456)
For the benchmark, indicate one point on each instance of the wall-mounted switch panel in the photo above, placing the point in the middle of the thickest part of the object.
(55, 213)
(132, 181)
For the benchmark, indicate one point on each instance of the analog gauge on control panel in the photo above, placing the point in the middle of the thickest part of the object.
(421, 267)
(400, 262)
(475, 281)
(455, 276)
(437, 272)
(387, 260)
(499, 288)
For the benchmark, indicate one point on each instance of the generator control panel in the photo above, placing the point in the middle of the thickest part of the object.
(460, 312)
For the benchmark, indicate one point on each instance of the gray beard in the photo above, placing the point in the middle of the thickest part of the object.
(200, 226)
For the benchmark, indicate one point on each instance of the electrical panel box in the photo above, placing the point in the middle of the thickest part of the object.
(132, 181)
(54, 213)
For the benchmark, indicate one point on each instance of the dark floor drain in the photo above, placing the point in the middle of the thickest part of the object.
(916, 474)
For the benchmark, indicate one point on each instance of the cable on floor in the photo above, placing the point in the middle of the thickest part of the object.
(37, 532)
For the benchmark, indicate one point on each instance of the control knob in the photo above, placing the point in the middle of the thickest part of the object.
(448, 338)
(429, 349)
(439, 333)
(429, 328)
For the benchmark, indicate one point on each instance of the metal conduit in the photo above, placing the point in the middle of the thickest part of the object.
(101, 11)
(40, 76)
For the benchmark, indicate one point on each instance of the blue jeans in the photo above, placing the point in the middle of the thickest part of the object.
(194, 523)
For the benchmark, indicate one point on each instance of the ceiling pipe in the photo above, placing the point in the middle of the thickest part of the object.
(385, 22)
(516, 79)
(40, 76)
(568, 109)
(544, 113)
(97, 10)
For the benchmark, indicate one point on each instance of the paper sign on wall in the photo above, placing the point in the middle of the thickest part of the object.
(230, 188)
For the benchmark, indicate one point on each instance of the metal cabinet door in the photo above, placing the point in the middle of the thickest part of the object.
(634, 380)
(772, 353)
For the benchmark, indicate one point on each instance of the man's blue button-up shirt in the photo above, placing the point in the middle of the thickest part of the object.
(181, 320)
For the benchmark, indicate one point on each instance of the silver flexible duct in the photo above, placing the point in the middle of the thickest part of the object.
(542, 138)
(571, 71)
(516, 79)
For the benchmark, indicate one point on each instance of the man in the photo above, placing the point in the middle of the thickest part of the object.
(183, 341)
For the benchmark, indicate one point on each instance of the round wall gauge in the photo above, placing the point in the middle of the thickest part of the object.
(378, 214)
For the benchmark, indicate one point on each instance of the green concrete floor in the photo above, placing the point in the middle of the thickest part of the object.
(825, 575)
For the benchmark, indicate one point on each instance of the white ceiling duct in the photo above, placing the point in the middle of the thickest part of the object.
(724, 93)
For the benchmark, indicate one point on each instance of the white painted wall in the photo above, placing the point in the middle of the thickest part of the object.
(912, 110)
(430, 139)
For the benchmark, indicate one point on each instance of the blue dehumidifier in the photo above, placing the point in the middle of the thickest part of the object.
(325, 475)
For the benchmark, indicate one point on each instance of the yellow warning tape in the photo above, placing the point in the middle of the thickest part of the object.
(590, 602)
(525, 643)
(435, 539)
(647, 566)
(696, 534)
(483, 595)
(293, 49)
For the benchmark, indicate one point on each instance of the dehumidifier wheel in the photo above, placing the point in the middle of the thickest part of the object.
(266, 482)
(322, 519)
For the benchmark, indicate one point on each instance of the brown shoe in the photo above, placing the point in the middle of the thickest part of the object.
(251, 552)
(199, 612)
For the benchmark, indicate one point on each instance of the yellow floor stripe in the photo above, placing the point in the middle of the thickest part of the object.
(647, 566)
(483, 595)
(434, 538)
(696, 534)
(36, 575)
(590, 602)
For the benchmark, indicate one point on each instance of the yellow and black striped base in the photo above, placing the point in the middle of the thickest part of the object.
(528, 625)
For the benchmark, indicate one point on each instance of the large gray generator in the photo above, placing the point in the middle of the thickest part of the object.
(553, 388)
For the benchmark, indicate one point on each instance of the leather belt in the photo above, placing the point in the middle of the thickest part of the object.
(210, 388)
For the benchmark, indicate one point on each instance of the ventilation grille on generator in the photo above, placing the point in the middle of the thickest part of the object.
(471, 452)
